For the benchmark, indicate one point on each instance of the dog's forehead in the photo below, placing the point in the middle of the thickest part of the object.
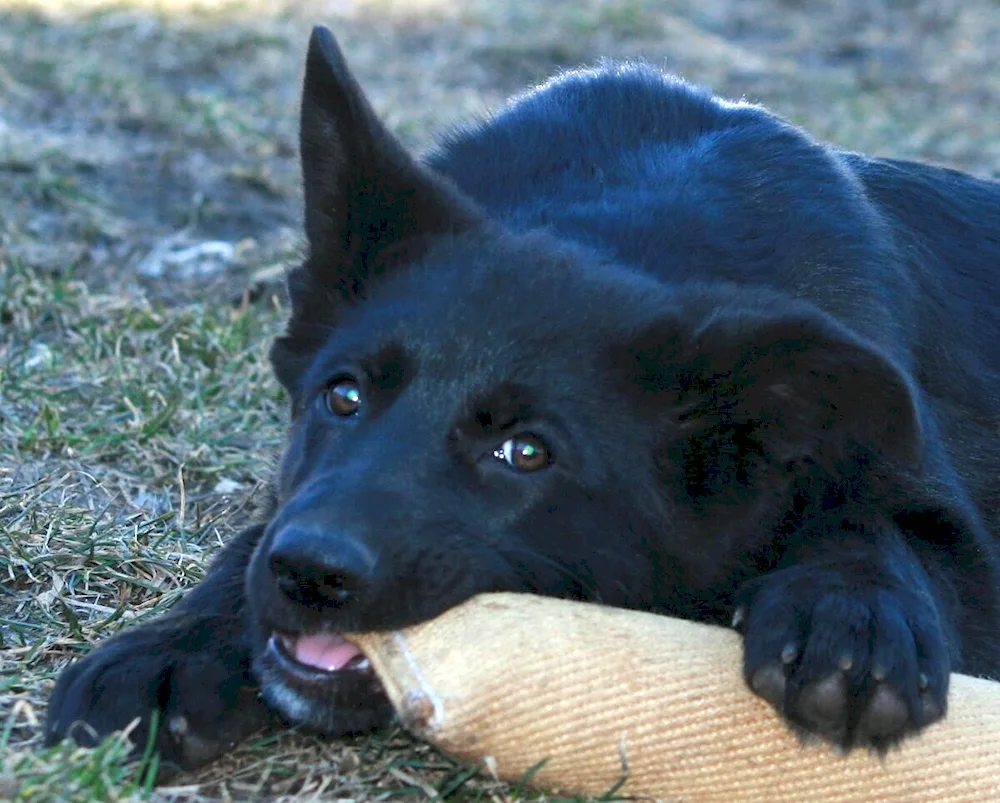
(497, 336)
(520, 292)
(448, 318)
(474, 316)
(465, 336)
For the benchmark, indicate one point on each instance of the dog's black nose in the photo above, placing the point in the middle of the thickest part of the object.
(319, 568)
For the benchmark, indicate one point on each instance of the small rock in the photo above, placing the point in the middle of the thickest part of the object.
(227, 486)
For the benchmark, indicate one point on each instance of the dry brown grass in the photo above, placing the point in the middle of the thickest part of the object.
(137, 414)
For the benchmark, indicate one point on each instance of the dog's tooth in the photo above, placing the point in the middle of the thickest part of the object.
(363, 665)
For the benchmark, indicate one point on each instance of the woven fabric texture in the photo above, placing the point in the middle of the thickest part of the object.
(600, 694)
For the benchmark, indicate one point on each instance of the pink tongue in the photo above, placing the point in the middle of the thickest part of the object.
(326, 651)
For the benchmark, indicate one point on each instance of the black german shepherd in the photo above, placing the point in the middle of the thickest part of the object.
(624, 342)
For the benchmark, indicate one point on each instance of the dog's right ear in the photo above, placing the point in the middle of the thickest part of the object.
(793, 373)
(368, 204)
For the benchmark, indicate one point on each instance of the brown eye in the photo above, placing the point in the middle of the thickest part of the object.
(524, 453)
(343, 397)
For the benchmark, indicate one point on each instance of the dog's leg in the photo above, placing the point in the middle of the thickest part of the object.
(191, 667)
(849, 637)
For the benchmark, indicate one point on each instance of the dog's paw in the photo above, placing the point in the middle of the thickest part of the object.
(190, 673)
(856, 664)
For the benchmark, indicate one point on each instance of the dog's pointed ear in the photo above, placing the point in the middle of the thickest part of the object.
(800, 380)
(365, 196)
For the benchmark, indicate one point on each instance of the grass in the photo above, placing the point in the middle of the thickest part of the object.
(137, 411)
(98, 774)
(130, 459)
(137, 434)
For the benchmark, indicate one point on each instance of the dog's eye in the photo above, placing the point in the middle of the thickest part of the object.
(525, 453)
(343, 397)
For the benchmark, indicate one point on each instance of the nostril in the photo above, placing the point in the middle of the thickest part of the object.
(286, 578)
(338, 587)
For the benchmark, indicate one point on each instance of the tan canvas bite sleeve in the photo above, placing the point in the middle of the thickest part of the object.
(515, 679)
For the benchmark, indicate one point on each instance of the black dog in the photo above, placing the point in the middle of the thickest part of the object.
(622, 342)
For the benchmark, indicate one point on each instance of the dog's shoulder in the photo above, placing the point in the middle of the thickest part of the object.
(607, 125)
(950, 214)
(614, 124)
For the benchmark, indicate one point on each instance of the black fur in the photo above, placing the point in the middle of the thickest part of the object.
(766, 371)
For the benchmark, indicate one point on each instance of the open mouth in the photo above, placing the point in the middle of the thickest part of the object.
(315, 657)
(323, 682)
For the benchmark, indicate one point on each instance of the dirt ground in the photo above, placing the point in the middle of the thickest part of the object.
(149, 203)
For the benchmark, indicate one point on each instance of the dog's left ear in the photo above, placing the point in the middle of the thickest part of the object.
(366, 199)
(796, 375)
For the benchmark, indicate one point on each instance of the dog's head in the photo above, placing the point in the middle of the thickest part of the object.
(475, 409)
